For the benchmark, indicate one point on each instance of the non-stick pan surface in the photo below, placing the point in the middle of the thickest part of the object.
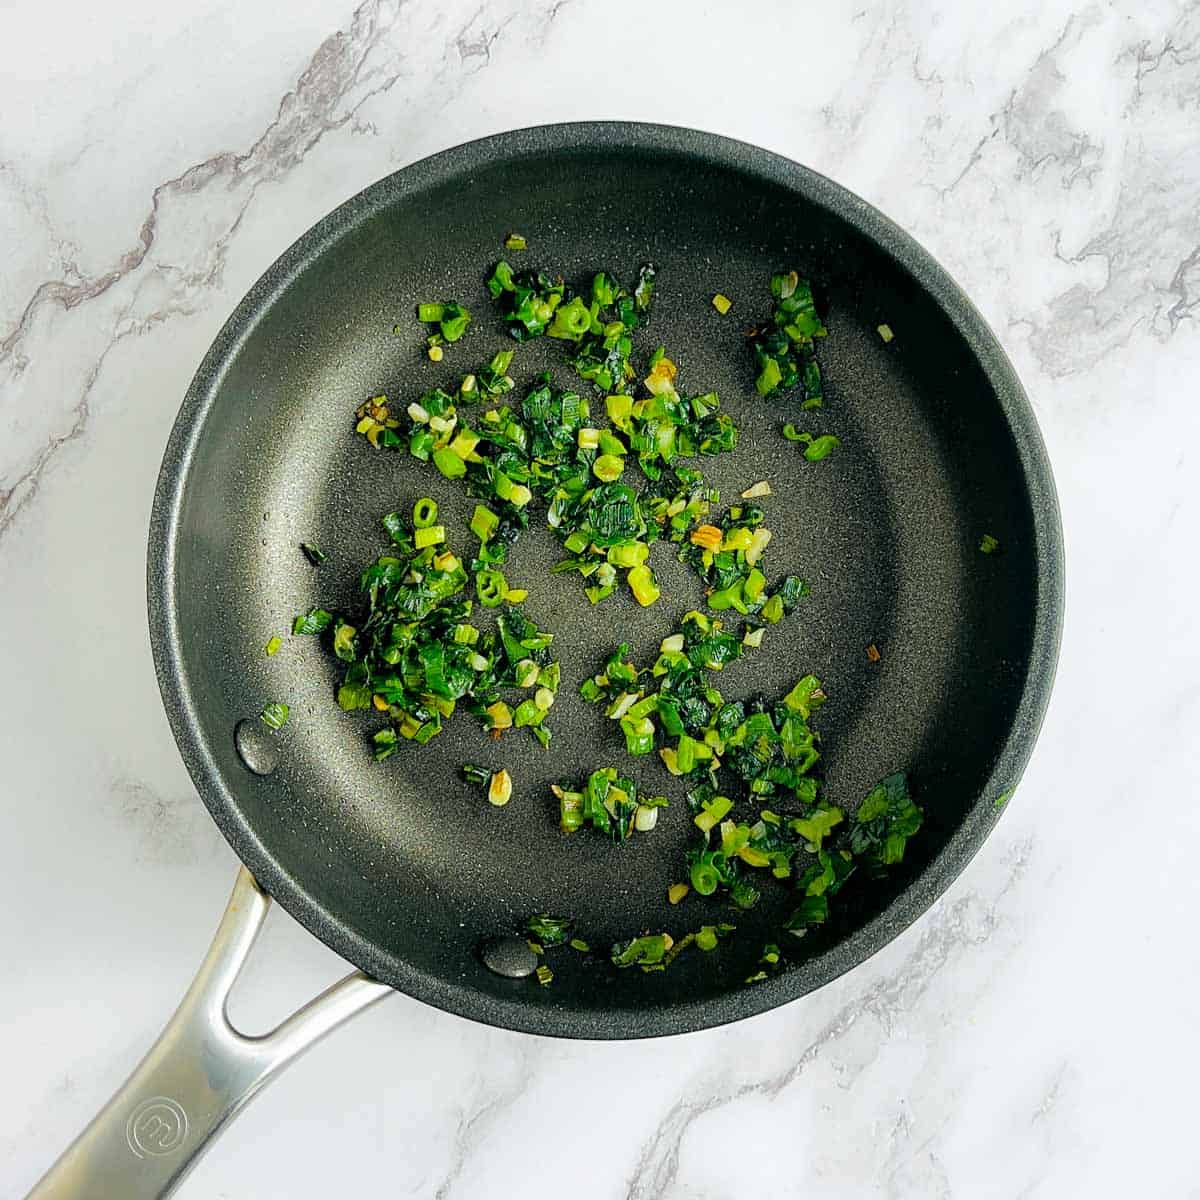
(402, 868)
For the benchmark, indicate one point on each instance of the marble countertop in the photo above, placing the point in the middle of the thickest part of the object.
(1034, 1034)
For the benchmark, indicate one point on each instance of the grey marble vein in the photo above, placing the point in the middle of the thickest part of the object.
(25, 486)
(1034, 125)
(489, 1106)
(954, 930)
(305, 114)
(1180, 49)
(1149, 242)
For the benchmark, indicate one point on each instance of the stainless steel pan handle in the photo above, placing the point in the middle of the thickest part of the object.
(198, 1075)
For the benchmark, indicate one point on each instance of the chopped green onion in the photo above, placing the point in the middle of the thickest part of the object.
(806, 697)
(599, 325)
(885, 821)
(759, 540)
(643, 585)
(451, 319)
(479, 776)
(571, 320)
(819, 448)
(425, 513)
(608, 802)
(275, 714)
(646, 817)
(464, 444)
(628, 554)
(273, 646)
(712, 813)
(772, 611)
(449, 463)
(499, 715)
(783, 350)
(885, 332)
(550, 931)
(414, 655)
(343, 641)
(816, 826)
(316, 620)
(769, 378)
(988, 544)
(642, 951)
(514, 241)
(620, 408)
(813, 910)
(815, 448)
(500, 789)
(491, 587)
(639, 735)
(313, 553)
(571, 815)
(722, 303)
(705, 878)
(432, 535)
(354, 695)
(484, 522)
(608, 467)
(612, 445)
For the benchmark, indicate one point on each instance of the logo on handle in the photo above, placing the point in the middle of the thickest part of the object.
(157, 1126)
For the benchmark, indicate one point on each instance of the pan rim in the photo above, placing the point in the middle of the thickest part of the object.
(660, 1019)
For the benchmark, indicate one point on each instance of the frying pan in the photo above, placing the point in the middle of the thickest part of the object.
(399, 867)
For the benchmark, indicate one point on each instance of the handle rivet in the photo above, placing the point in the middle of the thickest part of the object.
(257, 746)
(509, 956)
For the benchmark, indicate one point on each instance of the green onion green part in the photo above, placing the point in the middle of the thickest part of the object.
(550, 931)
(425, 513)
(316, 620)
(784, 347)
(275, 714)
(450, 317)
(645, 952)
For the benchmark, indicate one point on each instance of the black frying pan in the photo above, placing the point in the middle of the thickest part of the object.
(401, 868)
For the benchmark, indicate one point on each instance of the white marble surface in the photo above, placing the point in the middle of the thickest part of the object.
(1035, 1035)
